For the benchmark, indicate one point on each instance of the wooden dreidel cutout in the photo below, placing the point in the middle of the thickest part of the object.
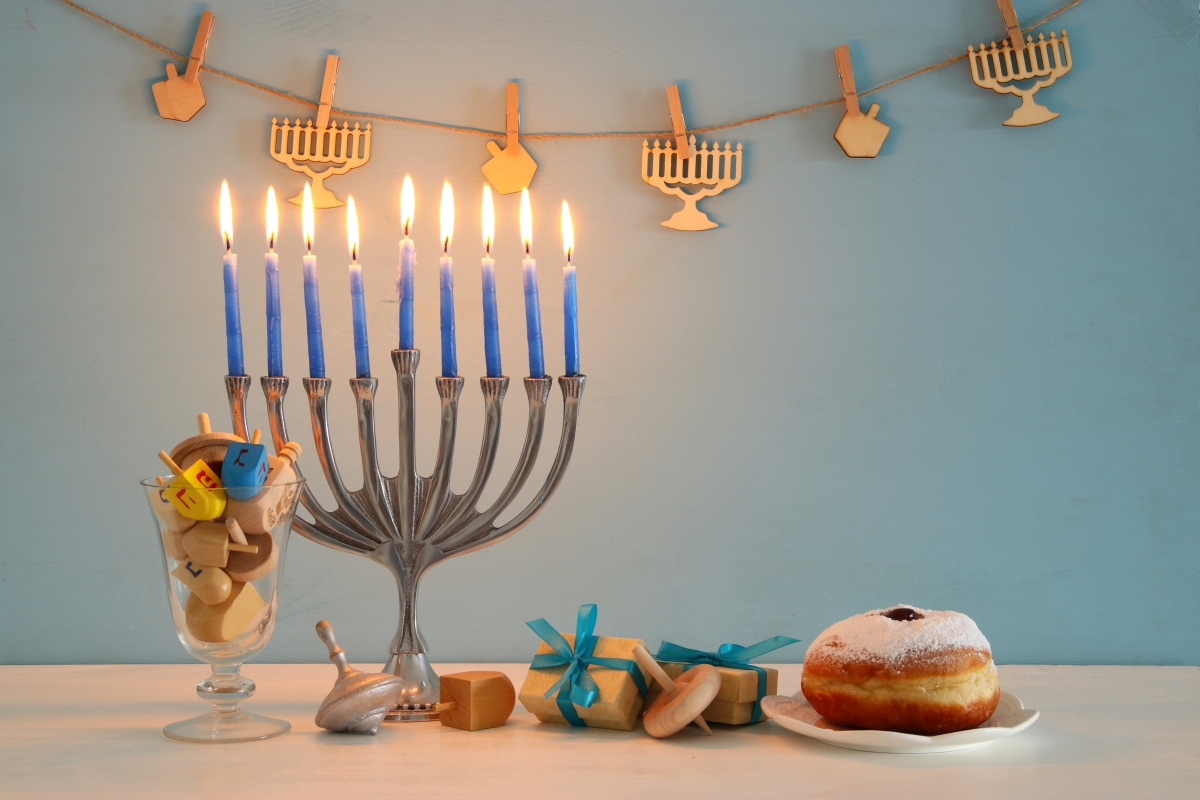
(244, 468)
(180, 98)
(208, 543)
(195, 492)
(860, 135)
(246, 566)
(472, 701)
(358, 701)
(510, 170)
(261, 512)
(208, 445)
(680, 702)
(225, 620)
(211, 584)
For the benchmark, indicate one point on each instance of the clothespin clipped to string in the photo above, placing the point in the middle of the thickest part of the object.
(325, 105)
(511, 169)
(1011, 24)
(685, 148)
(860, 135)
(180, 98)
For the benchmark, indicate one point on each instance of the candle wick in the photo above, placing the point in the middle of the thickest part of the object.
(271, 243)
(228, 245)
(446, 246)
(527, 249)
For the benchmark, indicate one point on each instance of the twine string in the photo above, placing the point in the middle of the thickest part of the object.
(500, 134)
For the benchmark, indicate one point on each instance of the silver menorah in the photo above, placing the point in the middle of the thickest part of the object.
(409, 523)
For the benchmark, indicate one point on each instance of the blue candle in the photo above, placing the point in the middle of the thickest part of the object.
(312, 299)
(274, 329)
(446, 285)
(233, 312)
(358, 306)
(491, 317)
(570, 300)
(533, 312)
(408, 257)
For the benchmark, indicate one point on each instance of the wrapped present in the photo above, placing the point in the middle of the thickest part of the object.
(584, 680)
(743, 685)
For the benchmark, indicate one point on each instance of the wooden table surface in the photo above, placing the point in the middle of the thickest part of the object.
(1120, 732)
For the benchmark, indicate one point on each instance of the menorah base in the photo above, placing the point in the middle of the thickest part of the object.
(421, 692)
(1029, 113)
(321, 197)
(689, 218)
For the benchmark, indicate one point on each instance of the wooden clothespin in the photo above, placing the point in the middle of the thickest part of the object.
(511, 169)
(1015, 37)
(327, 87)
(180, 98)
(678, 127)
(860, 135)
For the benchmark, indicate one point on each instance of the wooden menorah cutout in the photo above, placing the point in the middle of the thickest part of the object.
(708, 168)
(859, 135)
(298, 147)
(1020, 58)
(510, 170)
(180, 98)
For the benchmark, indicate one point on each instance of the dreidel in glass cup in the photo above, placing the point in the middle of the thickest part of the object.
(195, 492)
(245, 468)
(259, 513)
(208, 543)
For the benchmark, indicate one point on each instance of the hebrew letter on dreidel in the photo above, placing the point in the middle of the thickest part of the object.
(511, 169)
(181, 97)
(860, 135)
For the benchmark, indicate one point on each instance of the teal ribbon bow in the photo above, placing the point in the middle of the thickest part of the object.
(729, 655)
(576, 687)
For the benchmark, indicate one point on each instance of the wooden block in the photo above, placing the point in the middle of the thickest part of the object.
(482, 700)
(192, 493)
(173, 545)
(263, 511)
(252, 566)
(619, 702)
(244, 469)
(210, 584)
(181, 97)
(226, 620)
(734, 703)
(208, 543)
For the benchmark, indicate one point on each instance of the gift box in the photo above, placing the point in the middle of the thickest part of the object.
(582, 679)
(743, 685)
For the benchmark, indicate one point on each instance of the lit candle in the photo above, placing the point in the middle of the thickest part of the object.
(358, 305)
(570, 300)
(491, 319)
(533, 313)
(408, 257)
(233, 312)
(312, 300)
(446, 282)
(274, 332)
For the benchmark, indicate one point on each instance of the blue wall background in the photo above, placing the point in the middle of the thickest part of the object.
(961, 375)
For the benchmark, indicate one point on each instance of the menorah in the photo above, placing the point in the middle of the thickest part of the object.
(998, 66)
(409, 523)
(298, 146)
(710, 168)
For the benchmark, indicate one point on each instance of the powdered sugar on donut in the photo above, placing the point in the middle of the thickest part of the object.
(891, 644)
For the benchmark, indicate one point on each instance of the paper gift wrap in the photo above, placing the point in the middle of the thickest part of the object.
(738, 697)
(618, 702)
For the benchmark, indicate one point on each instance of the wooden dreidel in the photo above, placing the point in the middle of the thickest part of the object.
(245, 566)
(166, 512)
(358, 701)
(208, 543)
(180, 98)
(211, 584)
(472, 701)
(260, 513)
(196, 491)
(227, 619)
(681, 701)
(244, 468)
(860, 135)
(510, 170)
(208, 445)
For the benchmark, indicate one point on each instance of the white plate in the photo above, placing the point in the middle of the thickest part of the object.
(795, 714)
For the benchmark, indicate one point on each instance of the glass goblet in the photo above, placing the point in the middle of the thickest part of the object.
(224, 598)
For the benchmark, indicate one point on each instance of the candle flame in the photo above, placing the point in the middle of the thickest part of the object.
(306, 217)
(272, 218)
(226, 216)
(489, 219)
(568, 232)
(352, 228)
(447, 216)
(407, 204)
(526, 222)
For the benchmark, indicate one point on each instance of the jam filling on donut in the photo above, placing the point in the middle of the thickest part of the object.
(902, 614)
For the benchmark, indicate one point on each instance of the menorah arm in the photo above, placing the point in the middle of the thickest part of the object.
(463, 506)
(235, 389)
(537, 390)
(448, 390)
(328, 537)
(405, 362)
(318, 391)
(373, 483)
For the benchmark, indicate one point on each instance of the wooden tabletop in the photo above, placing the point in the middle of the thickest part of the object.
(1120, 732)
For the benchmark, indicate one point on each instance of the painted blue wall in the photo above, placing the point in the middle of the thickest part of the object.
(961, 375)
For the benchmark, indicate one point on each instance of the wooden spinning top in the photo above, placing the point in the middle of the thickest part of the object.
(359, 700)
(208, 444)
(681, 701)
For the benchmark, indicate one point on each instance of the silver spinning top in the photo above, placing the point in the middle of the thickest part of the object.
(358, 701)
